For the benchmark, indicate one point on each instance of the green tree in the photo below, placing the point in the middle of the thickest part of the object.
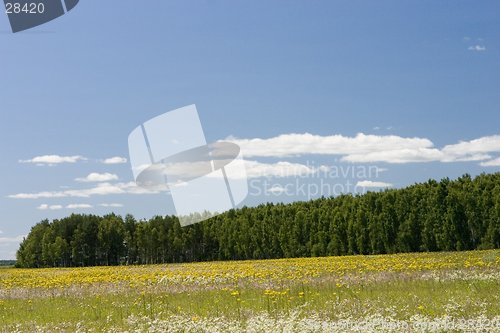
(111, 239)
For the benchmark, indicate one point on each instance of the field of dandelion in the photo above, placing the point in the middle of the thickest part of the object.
(401, 292)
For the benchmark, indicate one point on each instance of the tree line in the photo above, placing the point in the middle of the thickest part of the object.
(434, 216)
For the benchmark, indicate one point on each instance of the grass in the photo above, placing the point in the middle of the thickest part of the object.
(289, 295)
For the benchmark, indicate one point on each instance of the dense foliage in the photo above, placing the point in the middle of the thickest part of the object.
(433, 216)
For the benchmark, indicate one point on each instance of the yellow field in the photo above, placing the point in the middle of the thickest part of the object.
(298, 295)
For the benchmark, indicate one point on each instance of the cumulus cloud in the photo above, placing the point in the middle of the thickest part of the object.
(276, 189)
(485, 144)
(111, 205)
(97, 177)
(53, 159)
(477, 48)
(395, 156)
(412, 155)
(369, 148)
(79, 206)
(72, 206)
(495, 162)
(369, 183)
(300, 144)
(100, 189)
(114, 160)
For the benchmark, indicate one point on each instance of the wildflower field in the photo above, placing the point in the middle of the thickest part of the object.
(424, 292)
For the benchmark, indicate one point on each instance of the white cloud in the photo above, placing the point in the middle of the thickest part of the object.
(1, 232)
(97, 177)
(231, 138)
(276, 189)
(485, 144)
(100, 189)
(376, 128)
(79, 206)
(131, 187)
(477, 48)
(495, 162)
(301, 144)
(53, 159)
(366, 148)
(17, 239)
(411, 155)
(72, 206)
(480, 39)
(111, 205)
(466, 38)
(369, 183)
(114, 160)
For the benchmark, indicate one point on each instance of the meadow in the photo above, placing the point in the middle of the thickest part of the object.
(421, 292)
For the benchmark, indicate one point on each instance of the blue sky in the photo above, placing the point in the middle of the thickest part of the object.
(410, 87)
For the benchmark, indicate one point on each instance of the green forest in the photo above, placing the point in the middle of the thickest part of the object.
(463, 214)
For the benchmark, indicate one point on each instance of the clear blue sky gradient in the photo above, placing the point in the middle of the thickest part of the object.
(255, 69)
